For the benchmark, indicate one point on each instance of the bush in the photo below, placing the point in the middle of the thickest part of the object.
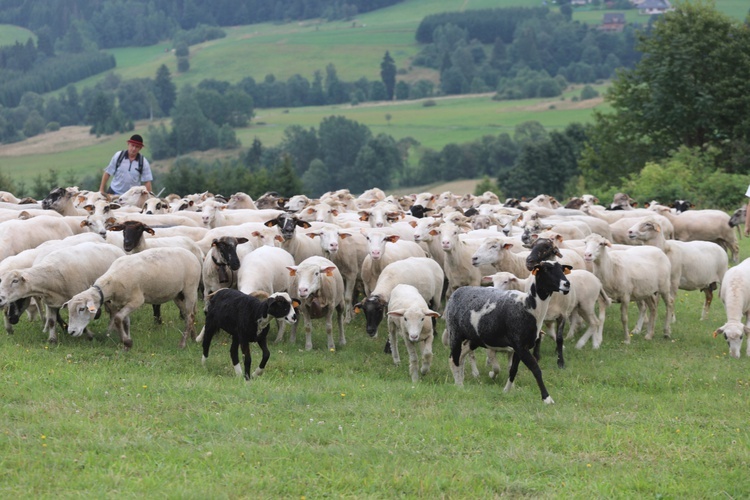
(588, 92)
(53, 126)
(429, 103)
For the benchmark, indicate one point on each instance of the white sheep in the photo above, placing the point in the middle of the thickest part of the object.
(696, 265)
(153, 276)
(735, 293)
(384, 248)
(320, 288)
(57, 277)
(410, 318)
(638, 273)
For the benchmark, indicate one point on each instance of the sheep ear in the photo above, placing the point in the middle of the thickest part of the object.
(84, 223)
(432, 314)
(240, 241)
(215, 242)
(344, 235)
(91, 306)
(292, 270)
(566, 269)
(296, 303)
(357, 308)
(393, 238)
(486, 280)
(328, 270)
(399, 313)
(718, 331)
(150, 231)
(312, 235)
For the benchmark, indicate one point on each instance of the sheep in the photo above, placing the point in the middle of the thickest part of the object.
(458, 266)
(638, 273)
(134, 241)
(154, 206)
(321, 290)
(546, 249)
(153, 276)
(585, 292)
(62, 201)
(256, 233)
(246, 319)
(407, 311)
(735, 294)
(241, 200)
(502, 321)
(220, 265)
(422, 273)
(705, 225)
(20, 234)
(300, 247)
(57, 277)
(348, 250)
(384, 248)
(738, 219)
(215, 214)
(136, 196)
(696, 265)
(497, 252)
(265, 270)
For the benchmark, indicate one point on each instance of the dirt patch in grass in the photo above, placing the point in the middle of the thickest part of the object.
(65, 139)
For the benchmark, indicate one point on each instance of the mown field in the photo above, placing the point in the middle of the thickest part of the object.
(664, 418)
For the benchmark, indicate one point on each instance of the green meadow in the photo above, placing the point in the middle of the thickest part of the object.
(665, 418)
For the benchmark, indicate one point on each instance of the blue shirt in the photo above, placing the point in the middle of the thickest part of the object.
(127, 175)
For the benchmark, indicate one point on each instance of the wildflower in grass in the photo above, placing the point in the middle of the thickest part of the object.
(343, 395)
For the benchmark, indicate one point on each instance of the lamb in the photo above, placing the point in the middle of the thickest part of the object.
(422, 273)
(498, 320)
(696, 265)
(638, 273)
(407, 312)
(130, 282)
(57, 277)
(246, 319)
(321, 289)
(735, 293)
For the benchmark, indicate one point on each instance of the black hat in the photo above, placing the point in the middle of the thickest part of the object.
(137, 140)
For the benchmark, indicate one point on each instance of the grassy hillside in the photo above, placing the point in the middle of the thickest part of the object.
(72, 152)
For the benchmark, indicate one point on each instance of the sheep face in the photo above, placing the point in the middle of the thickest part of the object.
(82, 309)
(13, 287)
(543, 249)
(415, 322)
(733, 332)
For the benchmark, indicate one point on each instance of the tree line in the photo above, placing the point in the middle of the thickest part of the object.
(520, 52)
(133, 23)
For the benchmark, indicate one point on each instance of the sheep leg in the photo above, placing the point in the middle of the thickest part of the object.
(348, 298)
(247, 358)
(157, 313)
(121, 323)
(293, 333)
(624, 318)
(329, 329)
(473, 364)
(492, 362)
(512, 371)
(281, 325)
(340, 317)
(532, 365)
(413, 360)
(50, 324)
(559, 342)
(263, 344)
(426, 349)
(709, 294)
(234, 354)
(308, 330)
(641, 317)
(651, 318)
(669, 303)
(457, 359)
(394, 343)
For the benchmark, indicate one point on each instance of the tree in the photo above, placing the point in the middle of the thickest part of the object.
(340, 141)
(190, 128)
(691, 88)
(164, 90)
(388, 75)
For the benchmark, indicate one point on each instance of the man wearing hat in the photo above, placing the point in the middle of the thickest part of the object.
(127, 168)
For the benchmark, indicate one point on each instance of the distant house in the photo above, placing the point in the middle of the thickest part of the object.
(650, 7)
(612, 22)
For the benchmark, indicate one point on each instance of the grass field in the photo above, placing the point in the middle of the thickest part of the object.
(451, 120)
(653, 419)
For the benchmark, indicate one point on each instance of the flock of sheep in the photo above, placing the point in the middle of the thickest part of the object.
(403, 259)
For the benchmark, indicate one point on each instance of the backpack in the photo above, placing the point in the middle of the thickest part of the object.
(122, 156)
